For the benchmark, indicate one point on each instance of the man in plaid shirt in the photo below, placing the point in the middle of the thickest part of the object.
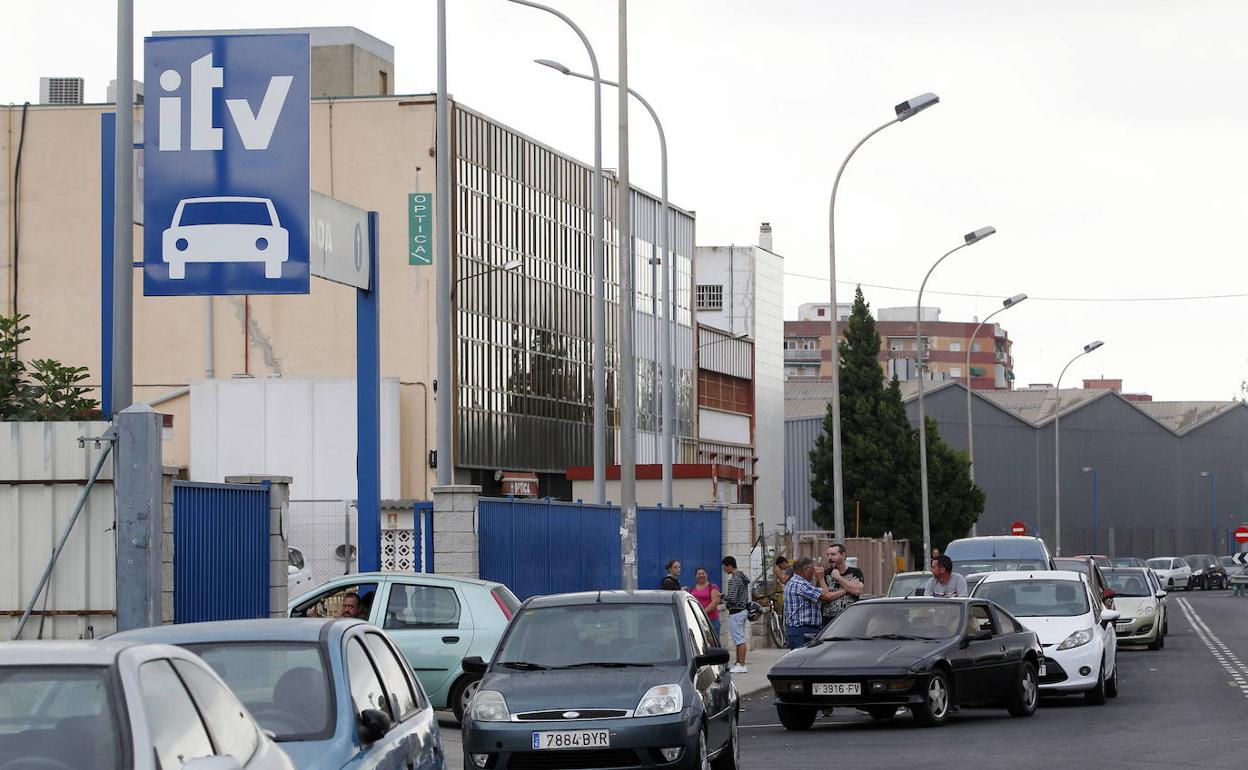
(802, 613)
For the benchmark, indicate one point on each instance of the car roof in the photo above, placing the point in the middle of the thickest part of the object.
(994, 539)
(912, 574)
(1048, 574)
(365, 577)
(96, 652)
(261, 630)
(226, 199)
(605, 597)
(920, 599)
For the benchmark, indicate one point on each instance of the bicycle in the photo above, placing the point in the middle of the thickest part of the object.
(771, 598)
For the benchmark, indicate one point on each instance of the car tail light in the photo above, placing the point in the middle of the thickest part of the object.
(501, 605)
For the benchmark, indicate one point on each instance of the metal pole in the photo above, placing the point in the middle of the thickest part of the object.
(445, 390)
(1057, 451)
(123, 214)
(918, 333)
(1213, 510)
(368, 409)
(970, 428)
(598, 321)
(1096, 510)
(628, 363)
(138, 491)
(838, 488)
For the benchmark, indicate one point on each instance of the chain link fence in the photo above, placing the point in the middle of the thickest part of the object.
(324, 531)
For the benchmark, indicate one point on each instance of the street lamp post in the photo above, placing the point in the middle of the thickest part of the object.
(1057, 444)
(970, 428)
(667, 329)
(907, 109)
(598, 269)
(1213, 509)
(1096, 507)
(968, 240)
(509, 266)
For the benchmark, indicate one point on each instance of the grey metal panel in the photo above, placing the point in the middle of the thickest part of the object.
(799, 439)
(723, 353)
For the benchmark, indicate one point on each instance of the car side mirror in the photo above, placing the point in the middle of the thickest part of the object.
(714, 656)
(1109, 616)
(474, 665)
(1160, 594)
(226, 762)
(374, 724)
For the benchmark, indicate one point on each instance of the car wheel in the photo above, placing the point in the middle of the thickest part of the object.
(882, 713)
(1157, 643)
(796, 717)
(703, 761)
(1111, 684)
(1027, 693)
(730, 757)
(461, 695)
(937, 702)
(1096, 696)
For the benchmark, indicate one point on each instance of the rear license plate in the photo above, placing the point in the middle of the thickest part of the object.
(836, 688)
(572, 739)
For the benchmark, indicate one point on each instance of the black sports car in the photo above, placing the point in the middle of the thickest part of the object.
(927, 655)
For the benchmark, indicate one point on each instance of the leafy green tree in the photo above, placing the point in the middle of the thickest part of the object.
(46, 390)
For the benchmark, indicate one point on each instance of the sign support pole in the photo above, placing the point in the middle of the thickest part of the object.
(123, 214)
(368, 411)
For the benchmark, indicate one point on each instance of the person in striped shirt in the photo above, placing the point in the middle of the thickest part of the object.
(737, 599)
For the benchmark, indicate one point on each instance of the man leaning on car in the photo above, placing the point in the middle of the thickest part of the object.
(945, 583)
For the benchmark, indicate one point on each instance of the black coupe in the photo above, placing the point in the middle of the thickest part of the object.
(927, 655)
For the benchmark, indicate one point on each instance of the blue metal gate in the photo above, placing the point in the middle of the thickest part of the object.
(692, 535)
(221, 551)
(538, 547)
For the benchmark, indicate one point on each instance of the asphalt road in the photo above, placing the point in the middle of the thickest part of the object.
(1183, 706)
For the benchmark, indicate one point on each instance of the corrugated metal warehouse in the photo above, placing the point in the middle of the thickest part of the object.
(1171, 477)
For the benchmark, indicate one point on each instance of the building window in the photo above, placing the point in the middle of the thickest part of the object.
(710, 296)
(975, 347)
(955, 371)
(956, 347)
(821, 312)
(790, 344)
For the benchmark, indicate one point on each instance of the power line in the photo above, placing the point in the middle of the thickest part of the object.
(1191, 298)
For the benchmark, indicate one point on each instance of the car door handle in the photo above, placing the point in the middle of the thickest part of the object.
(450, 639)
(1003, 648)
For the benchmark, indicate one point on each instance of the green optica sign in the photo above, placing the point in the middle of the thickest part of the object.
(420, 228)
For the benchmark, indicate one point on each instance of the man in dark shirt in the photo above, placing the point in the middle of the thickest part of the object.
(846, 583)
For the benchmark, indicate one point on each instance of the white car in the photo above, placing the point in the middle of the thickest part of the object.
(298, 577)
(1138, 599)
(113, 705)
(225, 229)
(1173, 572)
(1075, 629)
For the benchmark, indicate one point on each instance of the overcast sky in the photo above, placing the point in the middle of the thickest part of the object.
(1104, 139)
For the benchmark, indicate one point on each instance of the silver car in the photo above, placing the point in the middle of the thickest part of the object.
(1173, 572)
(118, 705)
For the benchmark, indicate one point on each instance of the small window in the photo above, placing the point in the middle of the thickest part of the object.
(955, 371)
(231, 728)
(1006, 623)
(821, 312)
(353, 601)
(177, 734)
(710, 296)
(366, 689)
(420, 606)
(956, 347)
(394, 676)
(975, 347)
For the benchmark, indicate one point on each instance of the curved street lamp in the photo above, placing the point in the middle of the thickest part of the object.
(903, 111)
(1057, 444)
(970, 428)
(969, 239)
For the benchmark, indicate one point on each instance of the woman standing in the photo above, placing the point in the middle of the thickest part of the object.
(707, 594)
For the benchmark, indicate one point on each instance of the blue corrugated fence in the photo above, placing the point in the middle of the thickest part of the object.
(694, 536)
(221, 551)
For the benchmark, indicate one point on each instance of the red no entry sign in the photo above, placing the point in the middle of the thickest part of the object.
(1241, 535)
(1019, 528)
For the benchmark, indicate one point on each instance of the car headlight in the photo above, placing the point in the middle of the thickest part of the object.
(1148, 610)
(663, 699)
(1077, 639)
(1198, 573)
(490, 706)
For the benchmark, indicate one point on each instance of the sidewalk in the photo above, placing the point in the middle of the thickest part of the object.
(759, 661)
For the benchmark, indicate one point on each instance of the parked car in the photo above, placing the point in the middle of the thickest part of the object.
(1129, 561)
(972, 555)
(906, 583)
(1102, 561)
(1173, 572)
(1163, 601)
(435, 620)
(1138, 601)
(1207, 571)
(1229, 565)
(298, 576)
(605, 679)
(1087, 566)
(334, 693)
(925, 655)
(1080, 645)
(119, 705)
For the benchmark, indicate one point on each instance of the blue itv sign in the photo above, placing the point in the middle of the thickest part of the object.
(226, 165)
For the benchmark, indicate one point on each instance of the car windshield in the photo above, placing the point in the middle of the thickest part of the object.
(1127, 582)
(971, 566)
(283, 684)
(590, 634)
(57, 716)
(1074, 565)
(224, 213)
(1036, 598)
(1197, 562)
(1128, 561)
(904, 585)
(1161, 564)
(939, 619)
(997, 548)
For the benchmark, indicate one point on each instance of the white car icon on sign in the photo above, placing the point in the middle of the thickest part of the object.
(225, 229)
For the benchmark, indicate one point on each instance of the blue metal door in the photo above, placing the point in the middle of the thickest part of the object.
(221, 551)
(694, 536)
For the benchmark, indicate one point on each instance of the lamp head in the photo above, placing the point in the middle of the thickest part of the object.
(554, 65)
(1205, 474)
(513, 264)
(912, 107)
(1012, 301)
(979, 235)
(1088, 348)
(1088, 469)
